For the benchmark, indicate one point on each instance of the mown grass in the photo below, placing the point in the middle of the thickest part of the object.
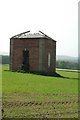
(22, 91)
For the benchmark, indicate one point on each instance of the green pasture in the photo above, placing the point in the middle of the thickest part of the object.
(28, 95)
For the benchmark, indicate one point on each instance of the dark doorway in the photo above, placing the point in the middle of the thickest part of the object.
(25, 61)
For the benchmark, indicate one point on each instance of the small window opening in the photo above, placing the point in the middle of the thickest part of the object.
(49, 59)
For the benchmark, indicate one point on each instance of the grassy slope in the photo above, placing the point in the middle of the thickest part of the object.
(27, 87)
(22, 82)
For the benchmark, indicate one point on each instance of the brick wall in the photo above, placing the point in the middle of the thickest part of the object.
(47, 46)
(50, 47)
(17, 53)
(38, 53)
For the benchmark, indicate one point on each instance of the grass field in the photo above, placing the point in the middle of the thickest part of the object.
(26, 95)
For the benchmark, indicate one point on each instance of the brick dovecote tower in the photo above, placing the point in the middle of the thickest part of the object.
(33, 52)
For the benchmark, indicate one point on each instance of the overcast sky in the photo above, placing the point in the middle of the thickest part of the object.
(56, 18)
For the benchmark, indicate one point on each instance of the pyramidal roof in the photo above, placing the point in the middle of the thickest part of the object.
(29, 34)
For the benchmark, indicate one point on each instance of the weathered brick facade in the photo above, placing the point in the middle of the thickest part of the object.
(40, 48)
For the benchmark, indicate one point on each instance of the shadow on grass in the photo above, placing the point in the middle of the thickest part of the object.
(49, 74)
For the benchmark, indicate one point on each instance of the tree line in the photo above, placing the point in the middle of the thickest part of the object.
(67, 64)
(5, 59)
(59, 63)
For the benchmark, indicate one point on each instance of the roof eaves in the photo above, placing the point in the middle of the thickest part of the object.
(20, 34)
(47, 36)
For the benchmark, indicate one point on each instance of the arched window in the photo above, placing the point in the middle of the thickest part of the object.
(49, 59)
